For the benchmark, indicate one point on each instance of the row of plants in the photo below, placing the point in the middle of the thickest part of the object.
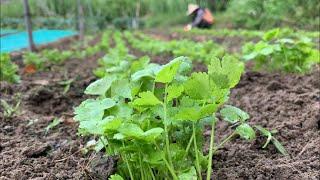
(243, 33)
(36, 60)
(153, 116)
(278, 51)
(196, 51)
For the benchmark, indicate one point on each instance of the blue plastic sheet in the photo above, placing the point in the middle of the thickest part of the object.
(18, 41)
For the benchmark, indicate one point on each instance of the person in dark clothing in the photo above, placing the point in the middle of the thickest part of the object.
(201, 17)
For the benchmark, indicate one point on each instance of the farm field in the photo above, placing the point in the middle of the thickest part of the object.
(40, 116)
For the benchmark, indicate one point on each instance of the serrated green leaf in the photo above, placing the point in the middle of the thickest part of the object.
(229, 67)
(197, 86)
(100, 87)
(233, 114)
(168, 71)
(174, 91)
(208, 110)
(245, 131)
(146, 99)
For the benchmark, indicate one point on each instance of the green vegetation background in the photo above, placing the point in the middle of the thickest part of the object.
(249, 14)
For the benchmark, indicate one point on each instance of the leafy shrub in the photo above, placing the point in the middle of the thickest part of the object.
(279, 51)
(8, 70)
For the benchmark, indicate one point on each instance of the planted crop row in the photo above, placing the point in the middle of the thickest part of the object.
(277, 51)
(36, 61)
(152, 116)
(196, 51)
(247, 34)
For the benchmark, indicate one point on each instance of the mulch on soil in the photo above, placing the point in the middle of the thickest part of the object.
(285, 102)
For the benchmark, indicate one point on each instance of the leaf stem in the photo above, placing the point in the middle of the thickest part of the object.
(127, 163)
(168, 165)
(165, 126)
(196, 150)
(209, 169)
(227, 139)
(188, 146)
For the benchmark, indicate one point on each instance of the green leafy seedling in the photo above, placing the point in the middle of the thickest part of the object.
(270, 138)
(54, 123)
(66, 84)
(10, 110)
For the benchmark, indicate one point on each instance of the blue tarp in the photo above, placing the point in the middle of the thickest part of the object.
(19, 40)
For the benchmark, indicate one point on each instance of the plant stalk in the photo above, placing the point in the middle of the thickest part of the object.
(209, 169)
(196, 150)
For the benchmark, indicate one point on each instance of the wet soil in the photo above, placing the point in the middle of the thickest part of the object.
(285, 102)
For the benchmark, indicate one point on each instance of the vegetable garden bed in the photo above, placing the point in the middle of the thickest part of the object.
(29, 148)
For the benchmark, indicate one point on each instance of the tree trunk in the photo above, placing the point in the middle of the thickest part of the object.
(81, 20)
(28, 23)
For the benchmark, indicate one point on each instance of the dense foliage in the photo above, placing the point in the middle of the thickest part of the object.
(252, 14)
(8, 70)
(196, 51)
(280, 51)
(257, 14)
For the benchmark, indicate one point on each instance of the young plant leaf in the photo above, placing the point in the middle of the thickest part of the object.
(279, 147)
(146, 99)
(152, 134)
(197, 86)
(188, 113)
(190, 175)
(266, 133)
(174, 91)
(130, 130)
(168, 71)
(121, 88)
(233, 114)
(245, 131)
(115, 177)
(229, 69)
(92, 109)
(100, 87)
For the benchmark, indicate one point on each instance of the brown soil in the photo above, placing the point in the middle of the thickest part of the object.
(285, 102)
(26, 151)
